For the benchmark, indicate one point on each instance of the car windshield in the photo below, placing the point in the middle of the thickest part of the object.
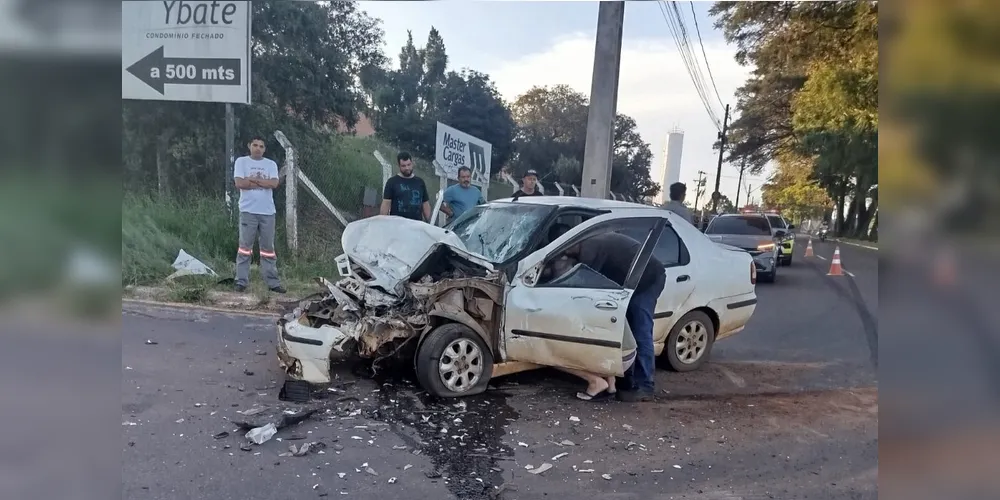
(498, 231)
(739, 225)
(776, 222)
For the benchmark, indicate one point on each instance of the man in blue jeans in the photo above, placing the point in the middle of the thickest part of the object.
(611, 254)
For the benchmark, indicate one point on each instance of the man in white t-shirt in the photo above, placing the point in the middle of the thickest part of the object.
(255, 177)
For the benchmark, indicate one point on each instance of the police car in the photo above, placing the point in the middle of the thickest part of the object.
(779, 223)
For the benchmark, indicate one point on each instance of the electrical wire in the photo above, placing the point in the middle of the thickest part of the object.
(711, 77)
(678, 32)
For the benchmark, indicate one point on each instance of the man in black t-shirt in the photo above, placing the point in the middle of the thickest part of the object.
(405, 195)
(529, 185)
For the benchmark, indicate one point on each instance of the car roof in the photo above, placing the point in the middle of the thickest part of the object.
(593, 204)
(576, 202)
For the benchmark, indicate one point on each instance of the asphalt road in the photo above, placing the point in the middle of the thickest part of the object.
(786, 409)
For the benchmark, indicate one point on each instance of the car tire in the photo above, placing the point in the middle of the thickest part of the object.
(456, 343)
(770, 277)
(703, 333)
(788, 260)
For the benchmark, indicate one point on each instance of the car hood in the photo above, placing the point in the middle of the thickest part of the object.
(742, 241)
(390, 248)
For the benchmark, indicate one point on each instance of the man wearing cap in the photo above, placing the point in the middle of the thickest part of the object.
(529, 185)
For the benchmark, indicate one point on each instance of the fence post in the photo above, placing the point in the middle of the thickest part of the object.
(291, 194)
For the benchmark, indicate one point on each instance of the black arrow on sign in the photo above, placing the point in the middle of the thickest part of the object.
(156, 71)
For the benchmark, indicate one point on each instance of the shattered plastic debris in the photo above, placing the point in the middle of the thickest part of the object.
(151, 342)
(574, 419)
(522, 444)
(606, 476)
(557, 457)
(261, 435)
(567, 442)
(541, 468)
(221, 435)
(677, 466)
(186, 265)
(371, 471)
(392, 480)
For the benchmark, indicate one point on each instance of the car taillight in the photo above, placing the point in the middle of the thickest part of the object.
(753, 274)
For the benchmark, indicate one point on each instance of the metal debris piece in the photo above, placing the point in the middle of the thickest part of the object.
(221, 435)
(574, 419)
(392, 480)
(245, 446)
(399, 447)
(151, 342)
(252, 411)
(341, 475)
(656, 471)
(585, 471)
(677, 466)
(567, 442)
(407, 467)
(606, 476)
(522, 444)
(557, 457)
(541, 468)
(371, 471)
(627, 427)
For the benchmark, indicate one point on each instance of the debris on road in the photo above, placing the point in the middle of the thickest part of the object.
(261, 435)
(606, 476)
(557, 457)
(221, 435)
(541, 468)
(151, 342)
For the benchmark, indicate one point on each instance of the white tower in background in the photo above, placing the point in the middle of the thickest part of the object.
(671, 163)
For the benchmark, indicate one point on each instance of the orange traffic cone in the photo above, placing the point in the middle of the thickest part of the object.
(809, 248)
(835, 269)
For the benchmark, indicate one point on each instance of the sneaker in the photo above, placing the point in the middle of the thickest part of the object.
(279, 289)
(240, 288)
(634, 396)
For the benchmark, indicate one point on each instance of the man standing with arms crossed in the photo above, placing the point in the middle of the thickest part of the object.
(256, 177)
(405, 195)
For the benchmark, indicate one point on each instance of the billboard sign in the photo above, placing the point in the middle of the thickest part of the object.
(456, 149)
(186, 50)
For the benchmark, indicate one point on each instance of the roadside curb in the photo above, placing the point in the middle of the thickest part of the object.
(183, 305)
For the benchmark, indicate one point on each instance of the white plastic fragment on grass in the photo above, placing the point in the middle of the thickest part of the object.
(187, 265)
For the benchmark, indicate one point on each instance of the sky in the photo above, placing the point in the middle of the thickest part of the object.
(521, 44)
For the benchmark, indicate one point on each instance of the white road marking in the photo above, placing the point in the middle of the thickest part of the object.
(820, 256)
(848, 273)
(853, 244)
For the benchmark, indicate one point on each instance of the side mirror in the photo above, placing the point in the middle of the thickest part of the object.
(780, 233)
(791, 227)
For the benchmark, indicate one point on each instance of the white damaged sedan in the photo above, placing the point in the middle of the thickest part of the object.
(484, 296)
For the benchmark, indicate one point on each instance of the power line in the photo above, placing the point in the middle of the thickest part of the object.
(705, 55)
(679, 34)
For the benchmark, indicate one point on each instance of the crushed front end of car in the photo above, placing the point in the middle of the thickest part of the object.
(398, 282)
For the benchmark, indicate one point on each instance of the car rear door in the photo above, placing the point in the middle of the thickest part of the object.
(577, 321)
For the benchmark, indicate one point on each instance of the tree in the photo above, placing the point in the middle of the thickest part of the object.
(813, 93)
(552, 136)
(793, 191)
(305, 57)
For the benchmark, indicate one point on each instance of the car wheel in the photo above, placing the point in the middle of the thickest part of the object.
(690, 342)
(788, 260)
(453, 361)
(771, 276)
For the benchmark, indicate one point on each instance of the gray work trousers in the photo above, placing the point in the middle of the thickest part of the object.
(254, 227)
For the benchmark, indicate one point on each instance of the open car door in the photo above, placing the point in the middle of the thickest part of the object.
(576, 320)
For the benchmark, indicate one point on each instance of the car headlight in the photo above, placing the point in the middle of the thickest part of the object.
(765, 247)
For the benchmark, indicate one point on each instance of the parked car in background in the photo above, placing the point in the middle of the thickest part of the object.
(477, 299)
(753, 233)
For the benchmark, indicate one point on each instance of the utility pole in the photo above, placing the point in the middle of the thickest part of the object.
(603, 100)
(699, 188)
(716, 195)
(739, 183)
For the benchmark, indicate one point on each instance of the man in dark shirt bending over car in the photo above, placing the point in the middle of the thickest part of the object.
(611, 254)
